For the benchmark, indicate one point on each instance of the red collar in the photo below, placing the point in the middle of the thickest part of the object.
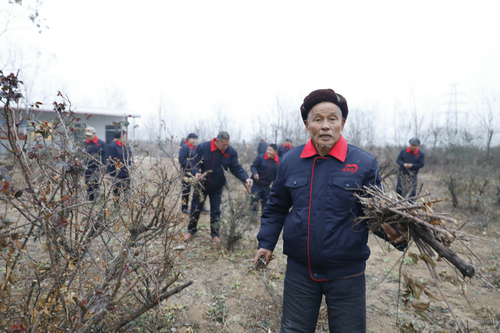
(339, 151)
(284, 145)
(213, 147)
(119, 143)
(94, 141)
(276, 158)
(190, 146)
(408, 150)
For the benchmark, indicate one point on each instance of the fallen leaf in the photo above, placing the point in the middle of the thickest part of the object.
(425, 257)
(413, 256)
(421, 305)
(432, 295)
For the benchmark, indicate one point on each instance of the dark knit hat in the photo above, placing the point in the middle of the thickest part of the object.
(192, 136)
(323, 95)
(275, 147)
(415, 141)
(118, 134)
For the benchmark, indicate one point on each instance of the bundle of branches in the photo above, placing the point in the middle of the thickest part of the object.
(196, 182)
(415, 219)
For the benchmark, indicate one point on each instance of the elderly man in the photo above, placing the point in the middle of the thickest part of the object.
(410, 160)
(326, 248)
(264, 170)
(187, 151)
(213, 156)
(287, 146)
(96, 156)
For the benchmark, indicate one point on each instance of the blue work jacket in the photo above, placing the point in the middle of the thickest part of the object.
(266, 168)
(119, 154)
(262, 147)
(417, 158)
(284, 149)
(186, 152)
(209, 157)
(321, 238)
(96, 151)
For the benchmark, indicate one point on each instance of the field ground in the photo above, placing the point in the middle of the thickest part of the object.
(224, 299)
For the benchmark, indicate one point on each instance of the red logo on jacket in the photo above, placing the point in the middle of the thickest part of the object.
(352, 168)
(226, 155)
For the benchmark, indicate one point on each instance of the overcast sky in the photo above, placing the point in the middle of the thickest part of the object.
(202, 56)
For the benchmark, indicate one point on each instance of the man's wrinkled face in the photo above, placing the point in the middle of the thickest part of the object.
(193, 141)
(413, 147)
(221, 144)
(325, 124)
(90, 137)
(271, 153)
(288, 143)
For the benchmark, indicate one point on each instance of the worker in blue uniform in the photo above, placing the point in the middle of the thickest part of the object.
(312, 201)
(264, 169)
(410, 161)
(261, 147)
(95, 150)
(186, 153)
(287, 146)
(212, 157)
(119, 161)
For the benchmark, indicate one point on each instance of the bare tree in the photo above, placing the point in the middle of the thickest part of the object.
(489, 109)
(434, 131)
(402, 125)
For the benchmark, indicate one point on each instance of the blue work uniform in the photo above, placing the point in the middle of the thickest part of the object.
(417, 158)
(262, 147)
(284, 149)
(312, 200)
(96, 156)
(266, 168)
(209, 158)
(186, 152)
(119, 159)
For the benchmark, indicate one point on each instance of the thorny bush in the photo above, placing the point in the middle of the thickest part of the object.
(70, 264)
(237, 216)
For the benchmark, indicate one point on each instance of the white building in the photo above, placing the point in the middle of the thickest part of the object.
(104, 120)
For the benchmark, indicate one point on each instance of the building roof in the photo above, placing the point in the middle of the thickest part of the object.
(106, 112)
(96, 111)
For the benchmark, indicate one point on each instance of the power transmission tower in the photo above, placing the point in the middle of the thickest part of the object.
(453, 106)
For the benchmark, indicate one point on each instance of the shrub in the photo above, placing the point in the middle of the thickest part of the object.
(74, 265)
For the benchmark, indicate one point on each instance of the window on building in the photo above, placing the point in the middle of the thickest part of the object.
(110, 133)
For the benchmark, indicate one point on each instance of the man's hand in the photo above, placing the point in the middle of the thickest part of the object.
(263, 252)
(256, 176)
(393, 235)
(249, 182)
(408, 165)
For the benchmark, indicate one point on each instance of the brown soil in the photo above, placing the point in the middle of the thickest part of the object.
(223, 298)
